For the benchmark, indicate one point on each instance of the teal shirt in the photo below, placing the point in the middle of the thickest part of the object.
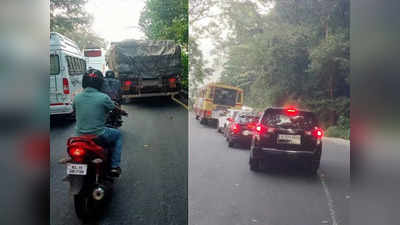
(91, 107)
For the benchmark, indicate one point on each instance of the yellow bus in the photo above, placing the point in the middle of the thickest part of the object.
(214, 100)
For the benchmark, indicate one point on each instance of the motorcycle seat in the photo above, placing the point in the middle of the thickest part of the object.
(101, 142)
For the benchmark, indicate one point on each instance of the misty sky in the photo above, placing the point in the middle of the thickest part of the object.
(115, 20)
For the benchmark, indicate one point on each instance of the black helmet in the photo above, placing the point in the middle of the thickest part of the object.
(110, 74)
(93, 78)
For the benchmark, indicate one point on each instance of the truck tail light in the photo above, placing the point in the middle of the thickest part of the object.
(172, 82)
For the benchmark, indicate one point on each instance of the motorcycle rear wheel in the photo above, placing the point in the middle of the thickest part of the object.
(86, 207)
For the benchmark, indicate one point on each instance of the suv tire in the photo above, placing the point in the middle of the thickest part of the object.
(230, 144)
(254, 164)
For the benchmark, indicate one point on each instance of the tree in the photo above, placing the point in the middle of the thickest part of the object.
(296, 53)
(70, 19)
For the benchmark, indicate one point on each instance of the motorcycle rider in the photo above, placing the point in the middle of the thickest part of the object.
(112, 86)
(91, 107)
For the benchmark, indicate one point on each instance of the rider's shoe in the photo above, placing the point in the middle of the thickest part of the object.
(115, 172)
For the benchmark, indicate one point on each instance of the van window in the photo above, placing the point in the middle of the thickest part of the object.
(54, 64)
(75, 66)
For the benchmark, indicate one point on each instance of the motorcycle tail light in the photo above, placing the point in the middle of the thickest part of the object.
(77, 153)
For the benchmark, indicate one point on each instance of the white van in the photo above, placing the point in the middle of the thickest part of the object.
(67, 66)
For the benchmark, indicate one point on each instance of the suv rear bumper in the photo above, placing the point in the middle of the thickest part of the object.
(261, 153)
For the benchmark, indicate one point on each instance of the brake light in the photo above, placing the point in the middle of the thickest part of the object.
(172, 82)
(318, 132)
(291, 111)
(128, 83)
(77, 153)
(65, 86)
(208, 113)
(235, 128)
(262, 129)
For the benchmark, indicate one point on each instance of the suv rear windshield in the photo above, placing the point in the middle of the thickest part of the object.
(224, 96)
(246, 119)
(278, 118)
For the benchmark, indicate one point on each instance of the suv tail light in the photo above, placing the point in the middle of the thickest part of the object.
(65, 86)
(262, 129)
(318, 132)
(208, 113)
(235, 128)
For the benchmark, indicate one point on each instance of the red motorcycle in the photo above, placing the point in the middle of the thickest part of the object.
(88, 174)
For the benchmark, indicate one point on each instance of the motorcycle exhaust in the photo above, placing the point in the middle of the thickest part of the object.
(98, 193)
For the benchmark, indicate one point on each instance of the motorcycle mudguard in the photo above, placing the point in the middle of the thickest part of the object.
(76, 183)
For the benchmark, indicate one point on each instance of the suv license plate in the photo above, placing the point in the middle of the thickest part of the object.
(289, 139)
(76, 169)
(246, 133)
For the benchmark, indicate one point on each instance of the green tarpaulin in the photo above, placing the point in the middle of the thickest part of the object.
(144, 58)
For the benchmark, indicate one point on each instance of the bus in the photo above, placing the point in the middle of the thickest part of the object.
(214, 100)
(95, 59)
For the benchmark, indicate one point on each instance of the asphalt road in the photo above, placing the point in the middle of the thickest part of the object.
(223, 191)
(152, 189)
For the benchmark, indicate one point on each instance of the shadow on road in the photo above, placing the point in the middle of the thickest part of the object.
(153, 102)
(60, 122)
(287, 170)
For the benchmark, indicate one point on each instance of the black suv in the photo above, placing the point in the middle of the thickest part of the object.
(287, 133)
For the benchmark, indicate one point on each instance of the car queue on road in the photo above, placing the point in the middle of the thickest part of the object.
(274, 134)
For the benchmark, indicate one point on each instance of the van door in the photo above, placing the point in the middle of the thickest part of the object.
(55, 79)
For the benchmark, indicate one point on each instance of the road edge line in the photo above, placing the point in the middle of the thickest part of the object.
(328, 196)
(179, 102)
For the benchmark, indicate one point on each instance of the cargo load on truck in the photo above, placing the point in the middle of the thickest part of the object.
(146, 67)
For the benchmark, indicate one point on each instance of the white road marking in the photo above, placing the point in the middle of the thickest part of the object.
(328, 196)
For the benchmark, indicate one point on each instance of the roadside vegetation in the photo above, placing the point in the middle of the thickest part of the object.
(70, 18)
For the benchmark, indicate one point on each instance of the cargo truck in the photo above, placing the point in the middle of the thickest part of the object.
(146, 68)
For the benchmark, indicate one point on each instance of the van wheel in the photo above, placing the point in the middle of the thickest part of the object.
(71, 117)
(230, 144)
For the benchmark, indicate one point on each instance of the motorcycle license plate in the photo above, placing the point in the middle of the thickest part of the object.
(76, 169)
(289, 139)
